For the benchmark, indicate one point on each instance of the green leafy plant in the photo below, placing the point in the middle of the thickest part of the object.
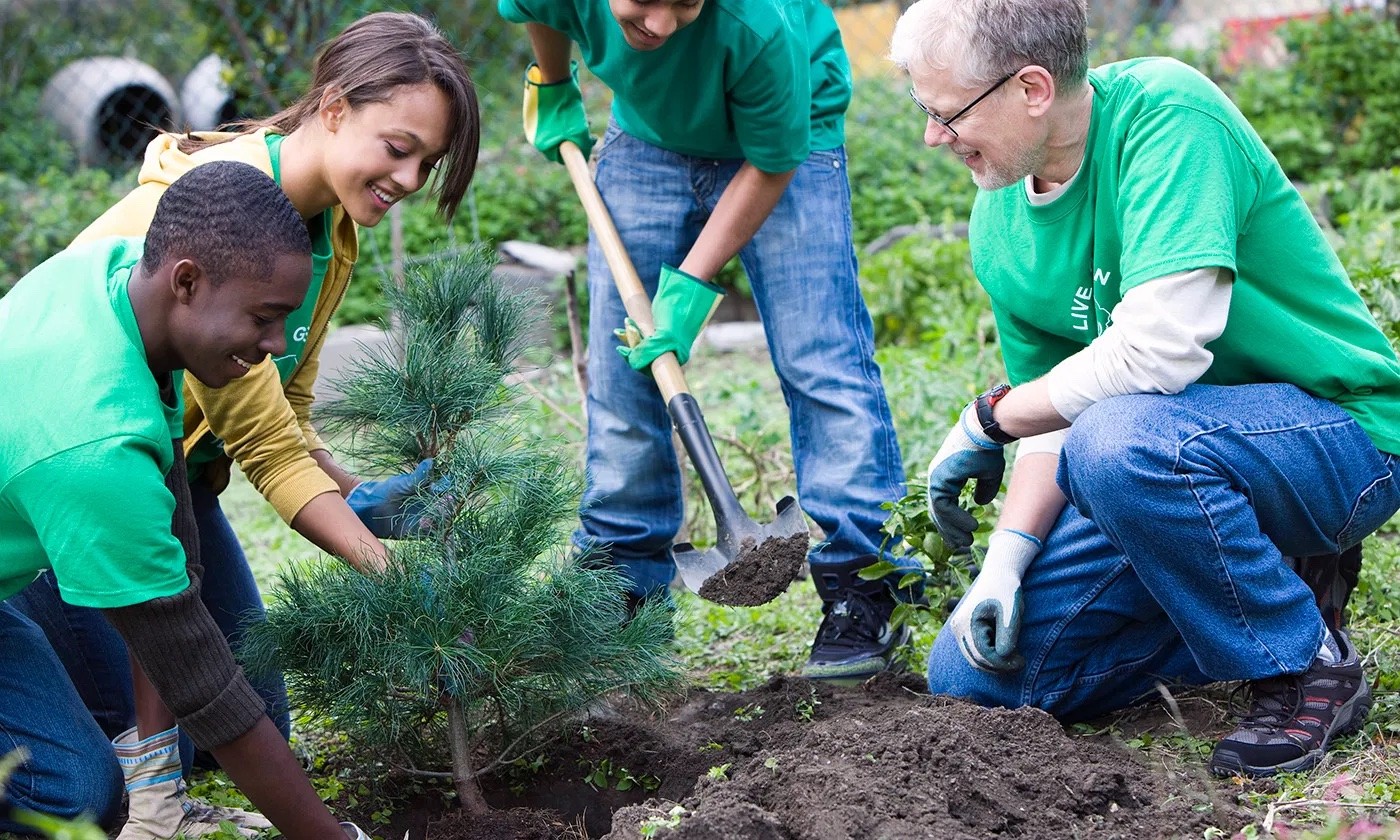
(651, 826)
(604, 774)
(481, 637)
(1318, 114)
(749, 712)
(719, 773)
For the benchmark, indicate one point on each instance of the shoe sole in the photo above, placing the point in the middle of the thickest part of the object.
(1227, 762)
(854, 673)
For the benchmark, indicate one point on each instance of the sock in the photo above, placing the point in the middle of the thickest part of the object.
(1330, 653)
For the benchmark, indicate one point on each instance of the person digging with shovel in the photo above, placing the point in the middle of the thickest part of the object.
(726, 138)
(93, 487)
(1198, 387)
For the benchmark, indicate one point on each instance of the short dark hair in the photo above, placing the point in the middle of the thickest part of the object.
(229, 216)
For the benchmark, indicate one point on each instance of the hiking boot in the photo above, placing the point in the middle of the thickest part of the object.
(1295, 717)
(855, 640)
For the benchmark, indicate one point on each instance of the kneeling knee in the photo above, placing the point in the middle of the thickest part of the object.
(950, 675)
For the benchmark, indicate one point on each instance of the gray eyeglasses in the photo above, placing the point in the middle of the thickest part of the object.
(948, 123)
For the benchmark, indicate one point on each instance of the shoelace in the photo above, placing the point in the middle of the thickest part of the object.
(1268, 710)
(856, 625)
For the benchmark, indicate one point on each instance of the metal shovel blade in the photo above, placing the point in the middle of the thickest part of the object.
(750, 564)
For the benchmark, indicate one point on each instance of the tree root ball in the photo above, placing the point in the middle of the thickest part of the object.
(761, 572)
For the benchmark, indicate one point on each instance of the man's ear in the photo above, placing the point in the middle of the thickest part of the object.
(187, 277)
(1037, 88)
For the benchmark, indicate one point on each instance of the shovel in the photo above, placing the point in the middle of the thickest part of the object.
(750, 563)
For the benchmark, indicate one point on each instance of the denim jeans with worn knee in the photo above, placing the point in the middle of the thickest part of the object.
(71, 768)
(1167, 565)
(802, 268)
(95, 657)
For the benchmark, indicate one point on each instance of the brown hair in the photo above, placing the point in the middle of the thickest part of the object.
(365, 64)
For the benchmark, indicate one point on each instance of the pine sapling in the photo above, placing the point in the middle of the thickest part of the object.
(482, 635)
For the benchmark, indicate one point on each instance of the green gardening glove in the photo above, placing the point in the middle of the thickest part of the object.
(680, 309)
(554, 113)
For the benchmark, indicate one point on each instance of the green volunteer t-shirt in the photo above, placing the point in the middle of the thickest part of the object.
(84, 436)
(1175, 179)
(763, 80)
(298, 322)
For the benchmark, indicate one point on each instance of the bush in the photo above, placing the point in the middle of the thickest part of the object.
(1335, 108)
(39, 218)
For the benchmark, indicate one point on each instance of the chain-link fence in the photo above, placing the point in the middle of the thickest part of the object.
(84, 84)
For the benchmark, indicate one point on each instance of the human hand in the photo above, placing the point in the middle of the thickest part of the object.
(987, 621)
(967, 453)
(387, 506)
(553, 113)
(682, 306)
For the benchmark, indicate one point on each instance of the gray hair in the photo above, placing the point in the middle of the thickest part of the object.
(981, 41)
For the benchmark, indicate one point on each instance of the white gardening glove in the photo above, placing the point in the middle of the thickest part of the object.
(158, 806)
(987, 621)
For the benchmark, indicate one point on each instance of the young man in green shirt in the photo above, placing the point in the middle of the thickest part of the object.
(726, 138)
(1199, 389)
(90, 485)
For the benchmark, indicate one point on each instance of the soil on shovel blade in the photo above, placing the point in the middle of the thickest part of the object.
(760, 572)
(794, 760)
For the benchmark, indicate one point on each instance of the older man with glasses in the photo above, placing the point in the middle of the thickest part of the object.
(1198, 389)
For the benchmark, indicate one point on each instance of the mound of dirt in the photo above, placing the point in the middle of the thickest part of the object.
(795, 760)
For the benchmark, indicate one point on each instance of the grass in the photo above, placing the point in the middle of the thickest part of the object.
(1356, 794)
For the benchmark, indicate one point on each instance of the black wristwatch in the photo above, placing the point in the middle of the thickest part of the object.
(984, 404)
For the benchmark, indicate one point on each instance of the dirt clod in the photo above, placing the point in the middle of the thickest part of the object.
(760, 572)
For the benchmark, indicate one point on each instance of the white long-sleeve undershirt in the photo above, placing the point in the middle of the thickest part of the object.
(1155, 343)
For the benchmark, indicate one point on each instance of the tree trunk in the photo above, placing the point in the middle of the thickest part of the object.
(463, 774)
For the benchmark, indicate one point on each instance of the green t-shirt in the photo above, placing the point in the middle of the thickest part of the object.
(1175, 179)
(298, 322)
(763, 80)
(84, 436)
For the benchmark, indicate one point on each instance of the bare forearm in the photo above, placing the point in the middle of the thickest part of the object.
(329, 523)
(741, 211)
(152, 717)
(552, 49)
(343, 478)
(1033, 499)
(1026, 410)
(262, 766)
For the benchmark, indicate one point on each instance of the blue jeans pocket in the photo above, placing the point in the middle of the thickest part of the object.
(1373, 508)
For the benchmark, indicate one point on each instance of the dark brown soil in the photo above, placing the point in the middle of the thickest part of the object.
(760, 573)
(794, 760)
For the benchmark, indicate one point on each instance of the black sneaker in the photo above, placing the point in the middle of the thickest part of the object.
(855, 640)
(1294, 718)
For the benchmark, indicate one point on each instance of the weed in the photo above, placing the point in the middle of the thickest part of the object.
(749, 713)
(807, 709)
(603, 774)
(719, 772)
(672, 819)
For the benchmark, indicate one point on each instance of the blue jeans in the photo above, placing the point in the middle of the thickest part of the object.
(802, 267)
(94, 655)
(71, 768)
(1168, 563)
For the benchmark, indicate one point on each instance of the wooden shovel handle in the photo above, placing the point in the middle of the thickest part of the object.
(666, 369)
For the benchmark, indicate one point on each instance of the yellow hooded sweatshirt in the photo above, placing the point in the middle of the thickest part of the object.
(265, 426)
